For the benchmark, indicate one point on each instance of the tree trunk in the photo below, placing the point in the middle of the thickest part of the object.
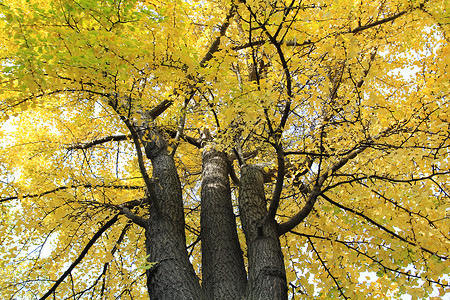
(223, 271)
(224, 277)
(267, 275)
(172, 277)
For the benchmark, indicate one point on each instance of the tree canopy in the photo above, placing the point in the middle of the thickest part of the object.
(340, 109)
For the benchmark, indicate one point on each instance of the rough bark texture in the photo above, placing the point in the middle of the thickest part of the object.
(267, 275)
(223, 271)
(173, 277)
(224, 276)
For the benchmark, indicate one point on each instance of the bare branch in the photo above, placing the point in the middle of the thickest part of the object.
(191, 140)
(303, 213)
(133, 217)
(179, 134)
(322, 262)
(292, 43)
(223, 29)
(231, 171)
(160, 108)
(373, 222)
(316, 191)
(62, 188)
(305, 153)
(275, 202)
(349, 245)
(142, 168)
(86, 145)
(356, 178)
(106, 264)
(81, 256)
(379, 22)
(295, 43)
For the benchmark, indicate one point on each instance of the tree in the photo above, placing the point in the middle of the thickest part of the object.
(224, 149)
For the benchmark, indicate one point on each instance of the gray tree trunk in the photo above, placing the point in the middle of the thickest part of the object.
(223, 272)
(267, 275)
(172, 277)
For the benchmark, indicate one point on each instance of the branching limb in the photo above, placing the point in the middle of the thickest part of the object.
(361, 177)
(164, 105)
(81, 256)
(295, 43)
(262, 42)
(239, 153)
(302, 214)
(242, 157)
(275, 202)
(283, 61)
(316, 191)
(380, 22)
(313, 154)
(231, 171)
(400, 207)
(191, 140)
(159, 109)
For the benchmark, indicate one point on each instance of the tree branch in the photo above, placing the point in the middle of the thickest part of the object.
(81, 256)
(133, 217)
(379, 22)
(62, 188)
(86, 145)
(223, 29)
(275, 202)
(355, 178)
(326, 268)
(368, 219)
(140, 157)
(348, 244)
(123, 137)
(191, 140)
(160, 108)
(303, 213)
(106, 264)
(292, 43)
(278, 132)
(306, 153)
(316, 191)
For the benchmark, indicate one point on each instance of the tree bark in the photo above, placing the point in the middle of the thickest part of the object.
(223, 272)
(267, 275)
(172, 277)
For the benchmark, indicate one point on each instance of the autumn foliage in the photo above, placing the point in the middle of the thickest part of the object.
(246, 149)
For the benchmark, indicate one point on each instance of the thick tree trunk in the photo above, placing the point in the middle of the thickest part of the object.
(223, 271)
(267, 275)
(224, 277)
(172, 277)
